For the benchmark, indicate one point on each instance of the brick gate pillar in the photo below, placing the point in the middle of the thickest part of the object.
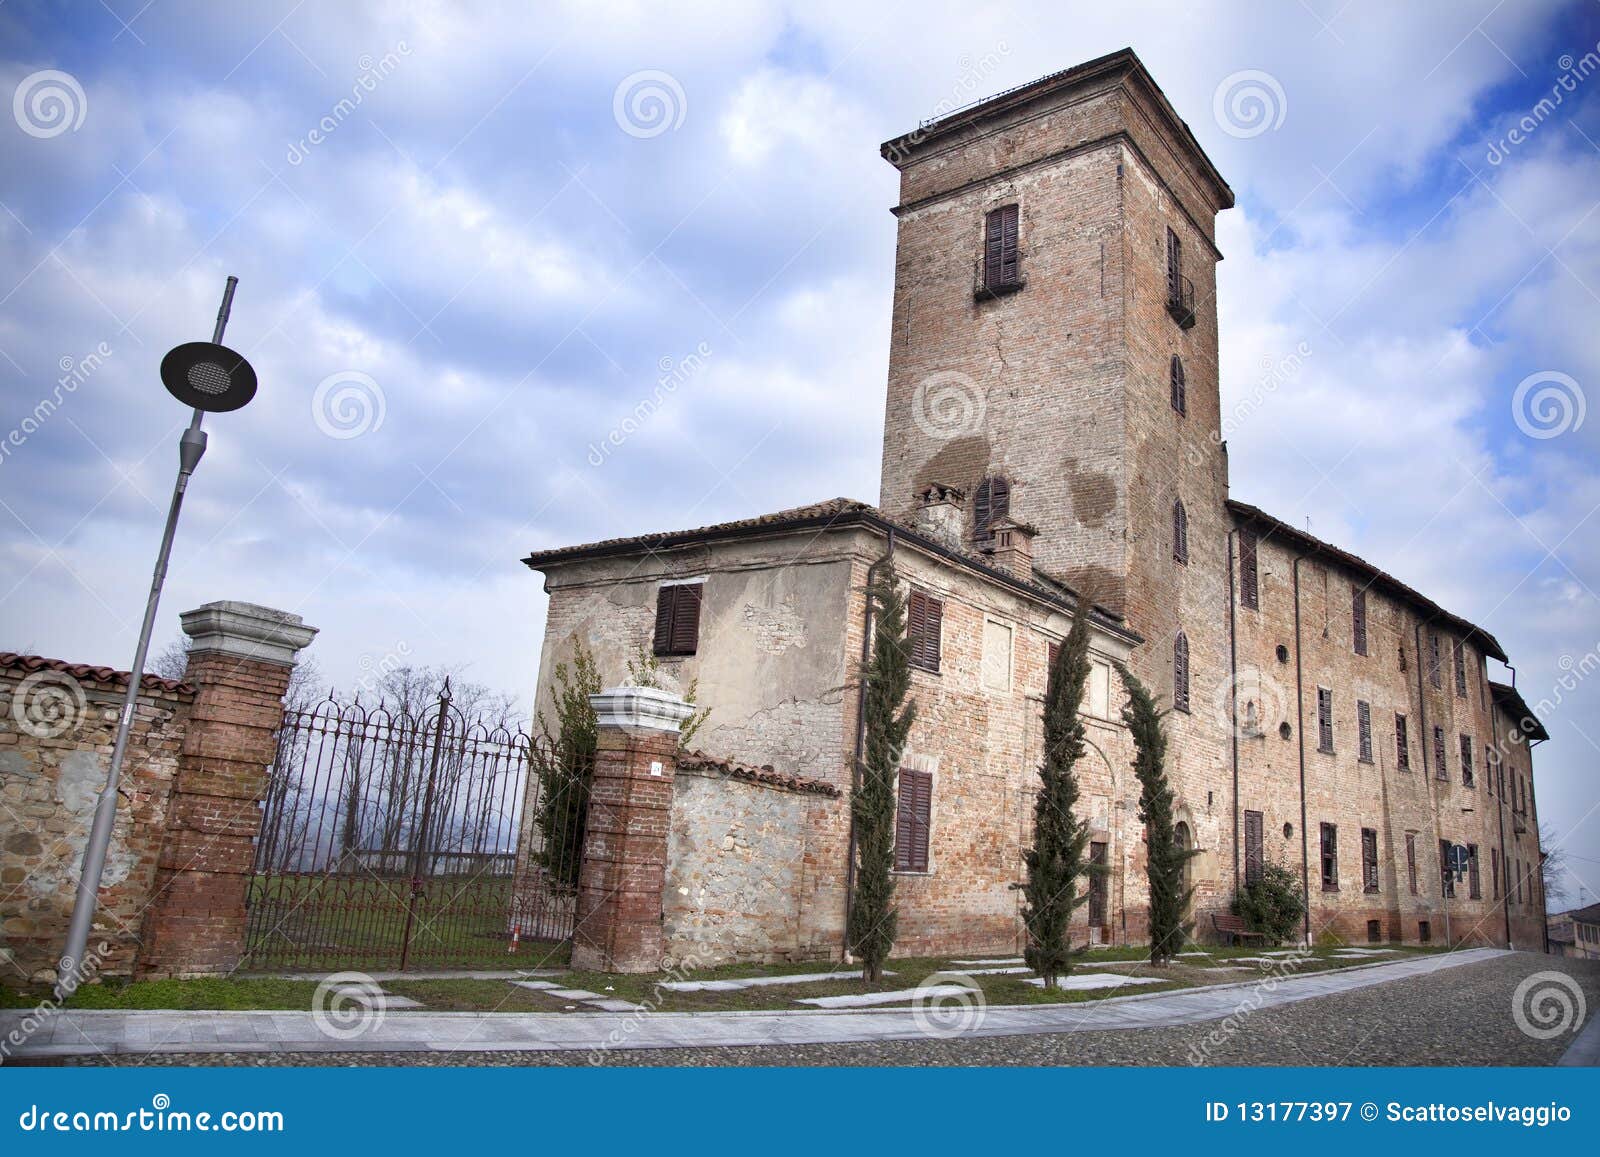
(240, 659)
(625, 840)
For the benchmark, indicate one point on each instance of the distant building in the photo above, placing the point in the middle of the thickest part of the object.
(1576, 933)
(1054, 426)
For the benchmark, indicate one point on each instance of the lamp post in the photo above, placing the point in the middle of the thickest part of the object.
(211, 378)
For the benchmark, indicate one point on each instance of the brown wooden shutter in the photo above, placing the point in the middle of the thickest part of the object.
(913, 811)
(992, 501)
(1369, 859)
(1358, 618)
(1324, 719)
(1461, 668)
(678, 619)
(1402, 747)
(1249, 593)
(1180, 672)
(1000, 262)
(1467, 779)
(1364, 730)
(1441, 769)
(1180, 386)
(1180, 532)
(1253, 847)
(1174, 266)
(1052, 653)
(925, 624)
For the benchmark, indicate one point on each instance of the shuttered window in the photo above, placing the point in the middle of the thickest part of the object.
(1467, 778)
(1330, 858)
(1180, 672)
(1249, 592)
(1440, 769)
(1180, 532)
(925, 630)
(1324, 719)
(1364, 730)
(1174, 266)
(1447, 878)
(992, 501)
(1369, 860)
(1474, 877)
(1180, 386)
(1402, 745)
(1411, 861)
(913, 810)
(1494, 870)
(1254, 853)
(1434, 662)
(1051, 654)
(678, 619)
(1358, 619)
(1000, 266)
(1461, 668)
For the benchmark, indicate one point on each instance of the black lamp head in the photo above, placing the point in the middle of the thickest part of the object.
(208, 376)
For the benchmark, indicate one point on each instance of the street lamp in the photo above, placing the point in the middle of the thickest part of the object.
(211, 378)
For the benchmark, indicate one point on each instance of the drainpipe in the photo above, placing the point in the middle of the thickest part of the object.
(1500, 822)
(861, 741)
(1426, 737)
(1300, 727)
(1233, 704)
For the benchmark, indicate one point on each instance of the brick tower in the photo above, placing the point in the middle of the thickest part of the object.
(1054, 355)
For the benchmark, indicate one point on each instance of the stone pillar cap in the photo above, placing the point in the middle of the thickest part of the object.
(640, 709)
(247, 630)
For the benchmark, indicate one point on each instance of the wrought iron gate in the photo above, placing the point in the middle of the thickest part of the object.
(396, 839)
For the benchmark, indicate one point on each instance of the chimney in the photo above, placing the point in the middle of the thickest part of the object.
(940, 516)
(1013, 546)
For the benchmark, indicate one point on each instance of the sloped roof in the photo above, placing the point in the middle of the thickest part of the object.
(1377, 579)
(1510, 700)
(765, 774)
(10, 660)
(832, 514)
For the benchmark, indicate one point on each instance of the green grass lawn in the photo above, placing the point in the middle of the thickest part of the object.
(479, 995)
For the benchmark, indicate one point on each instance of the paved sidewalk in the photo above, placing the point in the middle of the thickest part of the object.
(95, 1032)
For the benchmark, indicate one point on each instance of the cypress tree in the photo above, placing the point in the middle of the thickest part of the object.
(563, 760)
(873, 917)
(1164, 859)
(1056, 861)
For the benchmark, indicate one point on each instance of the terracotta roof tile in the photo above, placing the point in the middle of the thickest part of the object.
(10, 660)
(766, 774)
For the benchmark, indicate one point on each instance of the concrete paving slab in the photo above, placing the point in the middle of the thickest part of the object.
(1083, 982)
(536, 985)
(903, 996)
(992, 960)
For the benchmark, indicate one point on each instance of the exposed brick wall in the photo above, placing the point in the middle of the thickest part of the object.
(195, 924)
(49, 783)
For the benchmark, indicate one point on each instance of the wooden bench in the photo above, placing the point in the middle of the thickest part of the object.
(1234, 928)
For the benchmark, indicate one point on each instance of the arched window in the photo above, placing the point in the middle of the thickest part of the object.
(1180, 532)
(993, 499)
(1185, 842)
(1180, 393)
(1180, 673)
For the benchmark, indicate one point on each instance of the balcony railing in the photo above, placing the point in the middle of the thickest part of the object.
(1180, 301)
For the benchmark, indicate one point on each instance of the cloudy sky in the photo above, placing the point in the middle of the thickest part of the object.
(470, 240)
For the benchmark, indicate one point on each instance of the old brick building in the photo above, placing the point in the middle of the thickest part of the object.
(1053, 425)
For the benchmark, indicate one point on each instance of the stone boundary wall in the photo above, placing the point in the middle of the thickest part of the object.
(57, 725)
(736, 866)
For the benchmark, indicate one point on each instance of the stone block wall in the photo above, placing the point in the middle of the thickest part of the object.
(57, 726)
